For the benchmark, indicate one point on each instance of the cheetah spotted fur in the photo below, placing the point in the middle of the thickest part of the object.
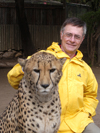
(36, 106)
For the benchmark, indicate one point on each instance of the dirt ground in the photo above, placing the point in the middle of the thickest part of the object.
(7, 92)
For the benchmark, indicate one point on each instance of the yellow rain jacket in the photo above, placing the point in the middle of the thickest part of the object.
(77, 89)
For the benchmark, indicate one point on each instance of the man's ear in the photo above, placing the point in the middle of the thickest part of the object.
(61, 34)
(83, 38)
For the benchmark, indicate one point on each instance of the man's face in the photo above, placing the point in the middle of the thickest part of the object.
(71, 38)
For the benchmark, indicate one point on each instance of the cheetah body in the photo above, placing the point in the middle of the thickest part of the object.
(36, 106)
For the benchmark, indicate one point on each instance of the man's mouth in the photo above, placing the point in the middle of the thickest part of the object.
(71, 45)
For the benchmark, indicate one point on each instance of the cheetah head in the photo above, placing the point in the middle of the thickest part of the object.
(42, 72)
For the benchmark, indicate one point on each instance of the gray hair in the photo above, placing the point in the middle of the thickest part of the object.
(75, 22)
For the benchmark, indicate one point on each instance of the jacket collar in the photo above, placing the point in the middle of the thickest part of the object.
(60, 54)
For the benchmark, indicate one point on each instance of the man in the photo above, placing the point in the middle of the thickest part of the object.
(78, 85)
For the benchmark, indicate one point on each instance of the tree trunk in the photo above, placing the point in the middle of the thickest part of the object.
(91, 46)
(27, 44)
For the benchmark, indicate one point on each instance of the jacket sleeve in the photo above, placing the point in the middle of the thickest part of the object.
(90, 94)
(15, 75)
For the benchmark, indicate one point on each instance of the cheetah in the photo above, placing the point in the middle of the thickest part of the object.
(36, 106)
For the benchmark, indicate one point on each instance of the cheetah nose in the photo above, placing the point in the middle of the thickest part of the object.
(45, 85)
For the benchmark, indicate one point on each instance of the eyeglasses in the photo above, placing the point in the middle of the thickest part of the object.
(70, 35)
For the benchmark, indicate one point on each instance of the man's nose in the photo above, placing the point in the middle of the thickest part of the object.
(72, 38)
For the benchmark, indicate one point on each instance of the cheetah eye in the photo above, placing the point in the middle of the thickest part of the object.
(36, 70)
(52, 70)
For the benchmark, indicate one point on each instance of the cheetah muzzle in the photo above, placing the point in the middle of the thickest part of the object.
(36, 106)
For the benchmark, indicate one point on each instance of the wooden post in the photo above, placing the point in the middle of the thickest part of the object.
(27, 43)
(64, 9)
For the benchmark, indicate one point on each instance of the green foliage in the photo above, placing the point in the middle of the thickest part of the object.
(92, 19)
(94, 4)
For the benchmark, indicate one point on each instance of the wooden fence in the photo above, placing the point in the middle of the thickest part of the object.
(42, 36)
(44, 23)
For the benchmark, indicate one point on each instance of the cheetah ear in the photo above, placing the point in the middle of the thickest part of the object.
(22, 62)
(62, 60)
